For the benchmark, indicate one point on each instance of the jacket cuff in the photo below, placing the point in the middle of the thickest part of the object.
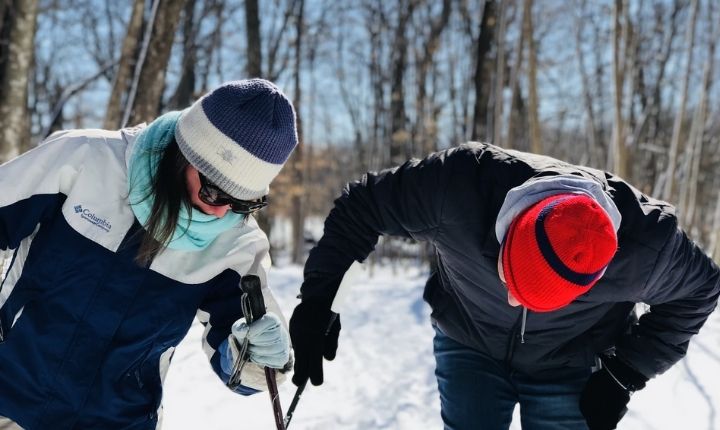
(623, 374)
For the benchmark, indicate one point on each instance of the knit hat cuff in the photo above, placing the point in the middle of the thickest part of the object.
(527, 194)
(246, 176)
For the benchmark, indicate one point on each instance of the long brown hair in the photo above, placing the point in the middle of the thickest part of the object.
(168, 187)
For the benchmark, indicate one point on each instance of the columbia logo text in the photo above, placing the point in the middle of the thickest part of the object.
(89, 216)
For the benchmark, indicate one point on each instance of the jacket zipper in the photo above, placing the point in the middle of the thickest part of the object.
(2, 284)
(517, 328)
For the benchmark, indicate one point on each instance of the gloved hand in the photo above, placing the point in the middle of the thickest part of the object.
(604, 399)
(268, 340)
(308, 328)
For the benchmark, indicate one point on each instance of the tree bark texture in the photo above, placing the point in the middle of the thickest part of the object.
(297, 158)
(254, 49)
(151, 84)
(184, 93)
(15, 71)
(123, 76)
(399, 133)
(483, 71)
(680, 115)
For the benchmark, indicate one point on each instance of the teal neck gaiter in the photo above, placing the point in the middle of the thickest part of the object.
(195, 230)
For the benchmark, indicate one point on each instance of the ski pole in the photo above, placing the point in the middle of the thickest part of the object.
(253, 306)
(340, 295)
(301, 387)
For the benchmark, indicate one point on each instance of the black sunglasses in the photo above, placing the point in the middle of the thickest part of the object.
(212, 195)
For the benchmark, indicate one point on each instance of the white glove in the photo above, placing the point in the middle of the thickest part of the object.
(268, 340)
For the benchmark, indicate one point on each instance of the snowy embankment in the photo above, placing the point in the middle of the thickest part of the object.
(383, 375)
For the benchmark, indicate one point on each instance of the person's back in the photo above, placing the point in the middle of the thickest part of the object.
(468, 298)
(470, 202)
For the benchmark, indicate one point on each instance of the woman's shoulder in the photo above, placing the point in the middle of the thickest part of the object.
(99, 145)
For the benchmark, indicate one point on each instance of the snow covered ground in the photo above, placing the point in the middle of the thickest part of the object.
(383, 375)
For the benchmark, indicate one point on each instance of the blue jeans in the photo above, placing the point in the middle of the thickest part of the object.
(480, 393)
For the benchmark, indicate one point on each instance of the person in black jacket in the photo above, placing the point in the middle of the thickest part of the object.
(539, 266)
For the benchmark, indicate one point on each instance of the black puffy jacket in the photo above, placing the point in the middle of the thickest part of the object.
(452, 199)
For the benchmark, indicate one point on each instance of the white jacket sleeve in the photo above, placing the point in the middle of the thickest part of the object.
(34, 185)
(221, 308)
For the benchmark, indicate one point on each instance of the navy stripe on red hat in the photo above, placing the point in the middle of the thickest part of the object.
(553, 260)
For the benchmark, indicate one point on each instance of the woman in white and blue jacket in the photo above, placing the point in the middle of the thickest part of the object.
(118, 239)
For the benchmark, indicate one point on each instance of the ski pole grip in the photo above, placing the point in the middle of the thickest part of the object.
(254, 304)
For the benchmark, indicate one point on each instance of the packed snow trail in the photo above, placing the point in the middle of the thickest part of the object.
(383, 376)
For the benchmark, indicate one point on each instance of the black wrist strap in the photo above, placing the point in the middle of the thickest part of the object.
(626, 377)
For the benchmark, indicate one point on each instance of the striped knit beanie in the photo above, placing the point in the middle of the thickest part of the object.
(239, 136)
(556, 250)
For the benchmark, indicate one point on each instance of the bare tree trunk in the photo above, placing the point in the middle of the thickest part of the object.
(15, 72)
(277, 63)
(213, 44)
(515, 75)
(376, 24)
(151, 83)
(677, 125)
(655, 103)
(536, 145)
(714, 247)
(183, 95)
(298, 197)
(3, 9)
(423, 140)
(254, 48)
(497, 137)
(483, 72)
(617, 153)
(697, 132)
(400, 136)
(128, 57)
(253, 68)
(352, 106)
(600, 90)
(631, 53)
(458, 119)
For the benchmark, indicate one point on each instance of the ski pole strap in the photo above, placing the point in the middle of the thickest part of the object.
(253, 308)
(240, 361)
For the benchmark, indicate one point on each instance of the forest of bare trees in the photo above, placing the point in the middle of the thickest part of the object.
(627, 86)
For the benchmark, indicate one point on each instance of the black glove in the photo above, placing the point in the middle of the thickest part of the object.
(312, 340)
(604, 399)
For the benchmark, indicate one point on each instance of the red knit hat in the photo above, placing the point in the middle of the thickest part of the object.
(556, 250)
